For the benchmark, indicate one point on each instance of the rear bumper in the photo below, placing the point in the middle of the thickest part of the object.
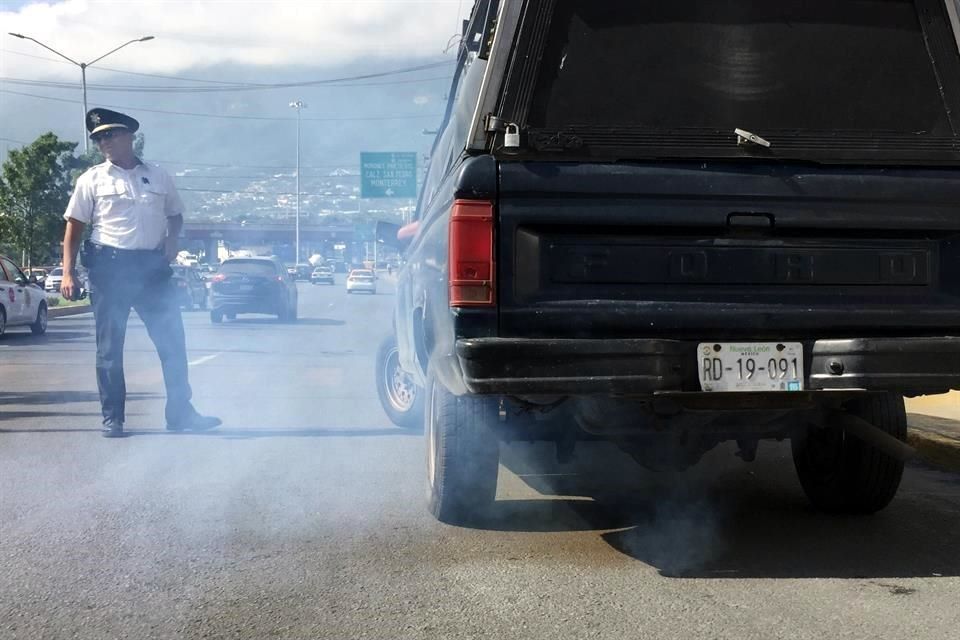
(519, 366)
(247, 304)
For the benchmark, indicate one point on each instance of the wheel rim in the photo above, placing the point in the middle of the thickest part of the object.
(432, 439)
(401, 391)
(42, 317)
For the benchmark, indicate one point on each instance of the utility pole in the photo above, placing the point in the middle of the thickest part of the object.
(83, 73)
(298, 105)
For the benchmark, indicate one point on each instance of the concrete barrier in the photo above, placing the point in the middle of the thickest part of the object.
(61, 312)
(935, 428)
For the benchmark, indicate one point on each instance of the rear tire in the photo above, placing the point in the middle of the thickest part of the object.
(463, 454)
(39, 326)
(843, 474)
(216, 316)
(400, 397)
(3, 321)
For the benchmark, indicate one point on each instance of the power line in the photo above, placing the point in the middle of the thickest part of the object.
(240, 166)
(230, 117)
(216, 82)
(132, 73)
(57, 84)
(250, 193)
(262, 177)
(234, 87)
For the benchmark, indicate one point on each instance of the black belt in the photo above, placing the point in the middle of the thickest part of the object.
(106, 252)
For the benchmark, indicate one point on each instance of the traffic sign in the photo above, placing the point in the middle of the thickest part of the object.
(388, 175)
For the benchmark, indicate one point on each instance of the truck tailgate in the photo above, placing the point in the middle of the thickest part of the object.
(726, 250)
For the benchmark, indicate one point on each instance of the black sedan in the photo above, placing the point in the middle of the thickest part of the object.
(253, 285)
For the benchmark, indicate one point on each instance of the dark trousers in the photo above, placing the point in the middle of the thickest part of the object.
(140, 280)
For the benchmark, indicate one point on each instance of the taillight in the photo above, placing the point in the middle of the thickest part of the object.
(219, 278)
(471, 254)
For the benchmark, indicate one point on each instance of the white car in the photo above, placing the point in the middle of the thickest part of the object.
(361, 280)
(21, 303)
(187, 259)
(54, 278)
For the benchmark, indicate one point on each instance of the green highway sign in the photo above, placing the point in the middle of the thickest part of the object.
(388, 175)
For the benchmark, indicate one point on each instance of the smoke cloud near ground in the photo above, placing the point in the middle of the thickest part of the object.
(673, 521)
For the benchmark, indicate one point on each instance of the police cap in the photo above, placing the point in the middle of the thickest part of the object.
(104, 119)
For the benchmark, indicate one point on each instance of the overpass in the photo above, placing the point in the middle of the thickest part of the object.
(314, 238)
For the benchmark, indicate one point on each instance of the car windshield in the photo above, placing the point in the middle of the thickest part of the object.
(248, 267)
(57, 272)
(796, 72)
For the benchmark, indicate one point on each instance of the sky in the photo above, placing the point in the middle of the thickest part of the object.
(221, 41)
(191, 33)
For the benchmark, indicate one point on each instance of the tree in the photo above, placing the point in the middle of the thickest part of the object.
(34, 190)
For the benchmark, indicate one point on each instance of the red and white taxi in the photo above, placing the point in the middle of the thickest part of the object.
(22, 303)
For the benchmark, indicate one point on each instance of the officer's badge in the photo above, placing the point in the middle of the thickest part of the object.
(95, 118)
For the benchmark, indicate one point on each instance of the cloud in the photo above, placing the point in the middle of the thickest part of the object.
(191, 34)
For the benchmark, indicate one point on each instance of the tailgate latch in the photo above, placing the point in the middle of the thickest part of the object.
(745, 137)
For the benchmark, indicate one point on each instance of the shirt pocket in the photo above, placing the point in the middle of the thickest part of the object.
(110, 190)
(155, 196)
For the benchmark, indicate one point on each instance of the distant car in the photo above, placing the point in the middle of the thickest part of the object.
(253, 285)
(191, 288)
(361, 280)
(37, 276)
(206, 271)
(53, 280)
(301, 271)
(21, 302)
(322, 275)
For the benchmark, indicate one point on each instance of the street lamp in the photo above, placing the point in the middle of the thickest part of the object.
(298, 105)
(83, 72)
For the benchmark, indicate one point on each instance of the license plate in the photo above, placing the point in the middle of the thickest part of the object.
(241, 288)
(750, 366)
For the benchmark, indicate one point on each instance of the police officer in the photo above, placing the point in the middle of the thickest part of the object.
(135, 215)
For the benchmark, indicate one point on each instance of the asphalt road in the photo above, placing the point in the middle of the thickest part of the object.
(303, 516)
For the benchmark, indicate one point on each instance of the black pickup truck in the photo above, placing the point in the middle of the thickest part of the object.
(674, 224)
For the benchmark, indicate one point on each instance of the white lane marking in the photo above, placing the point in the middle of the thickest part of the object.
(202, 360)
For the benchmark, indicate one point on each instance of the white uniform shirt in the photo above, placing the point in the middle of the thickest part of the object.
(126, 209)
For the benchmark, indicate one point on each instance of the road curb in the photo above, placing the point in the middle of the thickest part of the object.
(54, 312)
(937, 440)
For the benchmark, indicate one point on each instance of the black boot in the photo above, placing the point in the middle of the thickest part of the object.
(193, 421)
(112, 428)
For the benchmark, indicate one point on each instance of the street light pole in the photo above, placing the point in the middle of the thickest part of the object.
(83, 81)
(298, 105)
(83, 73)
